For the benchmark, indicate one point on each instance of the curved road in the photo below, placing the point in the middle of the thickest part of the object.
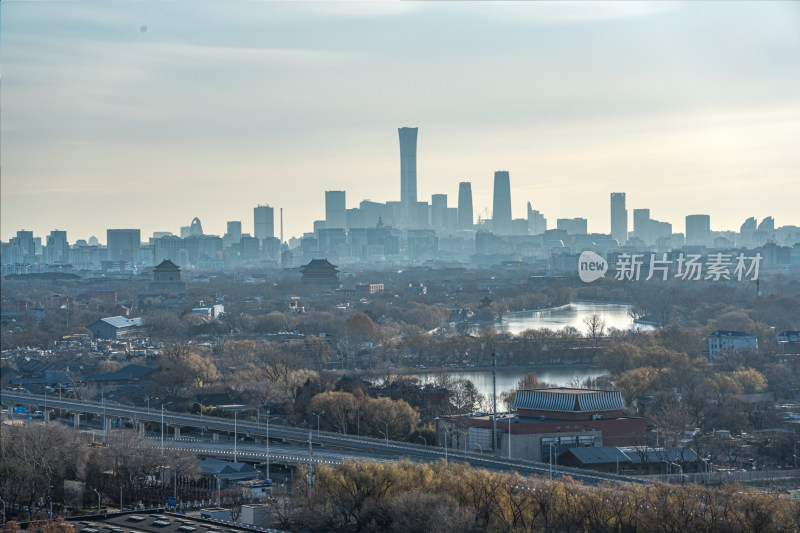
(377, 449)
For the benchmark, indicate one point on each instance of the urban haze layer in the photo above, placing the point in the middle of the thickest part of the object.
(427, 363)
(405, 232)
(247, 382)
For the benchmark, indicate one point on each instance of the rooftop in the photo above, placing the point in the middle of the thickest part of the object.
(569, 400)
(729, 333)
(122, 322)
(149, 522)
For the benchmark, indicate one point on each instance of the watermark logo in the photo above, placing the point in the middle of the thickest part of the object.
(716, 267)
(690, 267)
(591, 267)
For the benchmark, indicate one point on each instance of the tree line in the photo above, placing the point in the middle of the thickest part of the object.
(357, 496)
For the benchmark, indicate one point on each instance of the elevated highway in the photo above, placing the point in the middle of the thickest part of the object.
(336, 446)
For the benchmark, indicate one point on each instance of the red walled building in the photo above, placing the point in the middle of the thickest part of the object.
(548, 420)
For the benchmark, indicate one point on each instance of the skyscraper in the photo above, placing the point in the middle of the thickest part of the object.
(698, 230)
(619, 218)
(501, 211)
(196, 227)
(573, 226)
(465, 215)
(24, 240)
(537, 224)
(122, 244)
(57, 250)
(335, 209)
(264, 226)
(234, 233)
(438, 212)
(767, 225)
(408, 173)
(641, 220)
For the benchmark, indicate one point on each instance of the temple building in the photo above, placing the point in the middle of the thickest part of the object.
(166, 279)
(320, 271)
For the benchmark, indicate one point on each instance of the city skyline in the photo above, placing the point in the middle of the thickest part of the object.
(123, 117)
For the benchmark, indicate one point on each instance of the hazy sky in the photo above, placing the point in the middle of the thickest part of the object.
(147, 114)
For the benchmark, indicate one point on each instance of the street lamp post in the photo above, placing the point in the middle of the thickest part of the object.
(310, 476)
(318, 415)
(423, 439)
(445, 445)
(175, 485)
(494, 402)
(235, 435)
(162, 423)
(386, 435)
(509, 434)
(103, 398)
(556, 444)
(268, 421)
(98, 500)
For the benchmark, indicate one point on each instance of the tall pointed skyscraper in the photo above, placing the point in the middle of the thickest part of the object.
(465, 215)
(501, 212)
(408, 173)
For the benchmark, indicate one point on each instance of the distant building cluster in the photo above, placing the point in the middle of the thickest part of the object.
(408, 231)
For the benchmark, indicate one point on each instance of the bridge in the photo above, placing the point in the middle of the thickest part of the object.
(327, 446)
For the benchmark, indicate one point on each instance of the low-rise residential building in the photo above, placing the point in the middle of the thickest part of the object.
(723, 342)
(789, 341)
(115, 327)
(211, 311)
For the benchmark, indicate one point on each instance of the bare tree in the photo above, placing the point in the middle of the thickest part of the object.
(596, 326)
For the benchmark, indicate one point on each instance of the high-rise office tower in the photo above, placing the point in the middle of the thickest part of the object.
(619, 218)
(196, 228)
(234, 233)
(501, 211)
(767, 225)
(24, 240)
(537, 224)
(641, 220)
(573, 226)
(57, 250)
(438, 212)
(264, 222)
(335, 210)
(698, 230)
(408, 173)
(749, 225)
(465, 215)
(122, 244)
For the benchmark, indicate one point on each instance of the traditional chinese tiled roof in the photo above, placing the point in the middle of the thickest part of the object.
(166, 264)
(317, 265)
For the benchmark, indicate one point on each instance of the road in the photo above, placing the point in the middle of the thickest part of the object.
(339, 445)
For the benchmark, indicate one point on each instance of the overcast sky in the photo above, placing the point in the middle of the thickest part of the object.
(147, 114)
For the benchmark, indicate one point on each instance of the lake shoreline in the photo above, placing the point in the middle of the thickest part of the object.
(505, 368)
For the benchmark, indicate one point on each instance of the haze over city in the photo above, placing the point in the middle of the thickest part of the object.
(148, 114)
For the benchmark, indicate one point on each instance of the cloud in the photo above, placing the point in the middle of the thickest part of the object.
(555, 12)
